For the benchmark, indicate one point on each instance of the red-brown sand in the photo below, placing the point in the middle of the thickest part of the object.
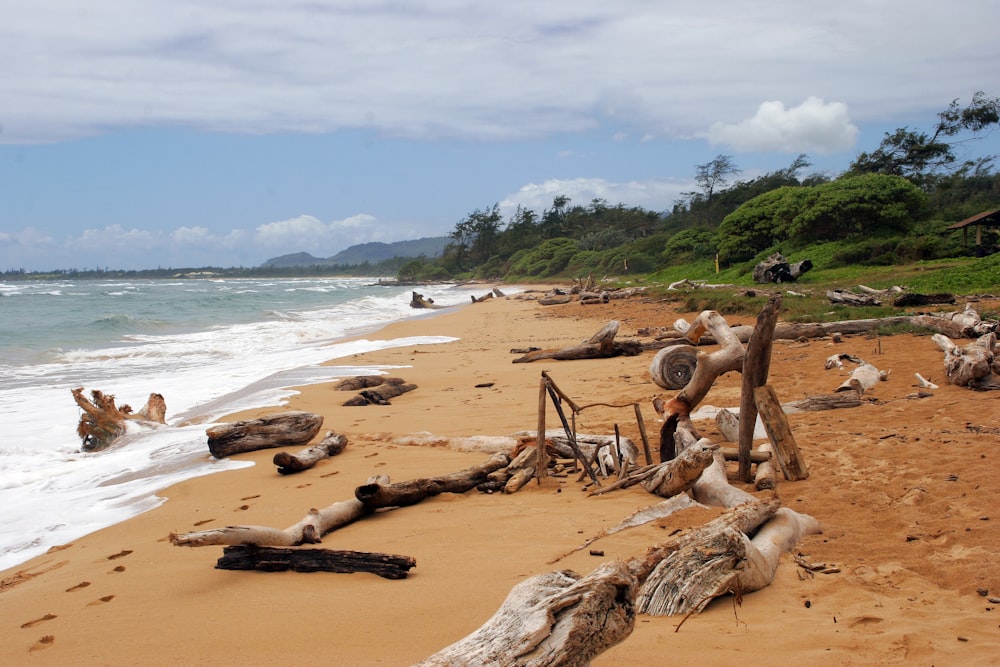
(905, 488)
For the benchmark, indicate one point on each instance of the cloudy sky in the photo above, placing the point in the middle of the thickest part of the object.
(173, 133)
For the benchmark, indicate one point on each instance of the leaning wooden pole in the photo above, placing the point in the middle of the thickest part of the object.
(756, 364)
(542, 462)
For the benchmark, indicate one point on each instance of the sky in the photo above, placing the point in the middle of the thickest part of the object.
(141, 134)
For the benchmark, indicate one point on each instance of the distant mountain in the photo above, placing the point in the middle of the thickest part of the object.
(366, 252)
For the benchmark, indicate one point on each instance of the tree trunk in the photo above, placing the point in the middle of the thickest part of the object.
(401, 494)
(281, 559)
(102, 422)
(286, 428)
(331, 445)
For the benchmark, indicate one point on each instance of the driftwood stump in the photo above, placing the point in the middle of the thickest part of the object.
(102, 422)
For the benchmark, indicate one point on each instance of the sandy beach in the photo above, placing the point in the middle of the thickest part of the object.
(904, 487)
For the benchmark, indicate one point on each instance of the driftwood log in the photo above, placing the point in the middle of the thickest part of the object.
(281, 559)
(331, 445)
(975, 365)
(287, 428)
(376, 495)
(777, 269)
(599, 346)
(102, 422)
(420, 301)
(756, 365)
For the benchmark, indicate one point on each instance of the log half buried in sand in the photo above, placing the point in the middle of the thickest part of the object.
(331, 445)
(287, 428)
(974, 365)
(102, 422)
(282, 559)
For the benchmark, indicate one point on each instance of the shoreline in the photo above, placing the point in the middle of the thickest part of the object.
(894, 599)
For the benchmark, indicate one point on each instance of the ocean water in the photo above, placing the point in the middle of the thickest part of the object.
(210, 347)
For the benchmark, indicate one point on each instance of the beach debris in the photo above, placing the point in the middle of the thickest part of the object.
(563, 618)
(599, 346)
(910, 299)
(671, 477)
(102, 422)
(295, 427)
(376, 389)
(282, 559)
(777, 269)
(376, 495)
(331, 445)
(924, 383)
(975, 365)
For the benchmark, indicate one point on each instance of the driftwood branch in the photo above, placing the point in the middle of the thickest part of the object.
(375, 495)
(599, 346)
(975, 365)
(331, 445)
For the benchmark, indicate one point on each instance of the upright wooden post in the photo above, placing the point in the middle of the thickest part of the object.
(542, 460)
(642, 433)
(756, 363)
(787, 451)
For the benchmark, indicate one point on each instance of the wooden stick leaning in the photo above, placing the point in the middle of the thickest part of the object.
(756, 364)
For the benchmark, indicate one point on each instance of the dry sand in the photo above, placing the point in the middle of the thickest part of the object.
(905, 488)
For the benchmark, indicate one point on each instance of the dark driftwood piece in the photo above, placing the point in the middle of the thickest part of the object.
(331, 445)
(380, 394)
(281, 559)
(756, 364)
(287, 428)
(777, 269)
(599, 346)
(910, 299)
(420, 301)
(102, 422)
(356, 382)
(401, 494)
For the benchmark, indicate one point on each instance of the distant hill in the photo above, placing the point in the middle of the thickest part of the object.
(366, 252)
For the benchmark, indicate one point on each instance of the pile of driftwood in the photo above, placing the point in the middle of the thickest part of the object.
(373, 389)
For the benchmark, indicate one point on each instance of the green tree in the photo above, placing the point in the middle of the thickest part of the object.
(916, 155)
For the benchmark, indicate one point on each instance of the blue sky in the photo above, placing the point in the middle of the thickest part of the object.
(146, 133)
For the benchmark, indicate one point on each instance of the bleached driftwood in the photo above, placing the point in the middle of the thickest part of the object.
(308, 530)
(863, 378)
(103, 422)
(974, 365)
(555, 618)
(331, 445)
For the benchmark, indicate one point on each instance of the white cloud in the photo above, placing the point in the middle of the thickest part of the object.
(812, 127)
(655, 195)
(482, 70)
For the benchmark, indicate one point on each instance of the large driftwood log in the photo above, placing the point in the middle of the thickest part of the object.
(308, 530)
(281, 559)
(401, 494)
(331, 445)
(549, 620)
(102, 422)
(420, 301)
(287, 428)
(599, 346)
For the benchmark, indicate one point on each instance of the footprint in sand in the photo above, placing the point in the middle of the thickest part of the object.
(44, 642)
(119, 568)
(203, 522)
(106, 598)
(82, 584)
(31, 624)
(120, 554)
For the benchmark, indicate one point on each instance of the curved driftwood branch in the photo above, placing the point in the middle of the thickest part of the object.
(599, 346)
(331, 445)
